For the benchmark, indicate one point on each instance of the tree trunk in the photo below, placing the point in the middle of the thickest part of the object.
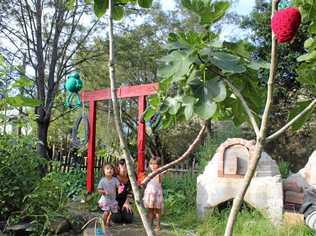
(118, 125)
(19, 129)
(240, 196)
(5, 120)
(261, 137)
(42, 147)
(209, 128)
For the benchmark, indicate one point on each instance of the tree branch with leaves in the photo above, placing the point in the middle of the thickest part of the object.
(195, 74)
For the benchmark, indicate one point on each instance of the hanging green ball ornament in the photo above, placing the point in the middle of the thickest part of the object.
(285, 4)
(74, 83)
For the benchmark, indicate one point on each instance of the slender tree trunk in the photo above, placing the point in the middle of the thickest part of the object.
(260, 137)
(123, 144)
(42, 130)
(5, 120)
(19, 129)
(209, 128)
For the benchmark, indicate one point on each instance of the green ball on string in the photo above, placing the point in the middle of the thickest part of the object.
(285, 4)
(73, 85)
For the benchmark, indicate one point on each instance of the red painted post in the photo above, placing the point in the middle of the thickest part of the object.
(91, 146)
(141, 131)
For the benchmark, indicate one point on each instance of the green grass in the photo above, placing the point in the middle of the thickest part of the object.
(180, 212)
(249, 223)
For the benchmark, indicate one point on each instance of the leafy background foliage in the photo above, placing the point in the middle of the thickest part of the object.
(100, 7)
(307, 69)
(11, 81)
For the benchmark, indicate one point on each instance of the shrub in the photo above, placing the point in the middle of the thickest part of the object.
(75, 182)
(47, 202)
(179, 194)
(19, 172)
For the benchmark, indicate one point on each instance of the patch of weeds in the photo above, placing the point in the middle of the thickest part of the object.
(284, 168)
(179, 194)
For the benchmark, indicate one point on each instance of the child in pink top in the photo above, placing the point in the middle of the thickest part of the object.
(153, 197)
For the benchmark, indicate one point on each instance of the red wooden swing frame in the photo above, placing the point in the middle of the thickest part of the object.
(140, 91)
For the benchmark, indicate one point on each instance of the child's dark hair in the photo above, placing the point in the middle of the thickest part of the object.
(155, 159)
(121, 162)
(107, 164)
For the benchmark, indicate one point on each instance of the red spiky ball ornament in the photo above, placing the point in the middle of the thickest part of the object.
(285, 24)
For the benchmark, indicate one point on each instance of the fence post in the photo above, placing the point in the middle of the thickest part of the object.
(91, 146)
(141, 130)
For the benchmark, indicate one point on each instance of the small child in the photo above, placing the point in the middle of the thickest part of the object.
(153, 198)
(108, 186)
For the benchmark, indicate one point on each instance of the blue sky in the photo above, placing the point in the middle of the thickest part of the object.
(242, 6)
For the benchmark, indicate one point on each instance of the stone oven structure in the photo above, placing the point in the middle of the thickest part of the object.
(222, 179)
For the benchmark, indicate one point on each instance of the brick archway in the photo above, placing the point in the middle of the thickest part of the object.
(248, 145)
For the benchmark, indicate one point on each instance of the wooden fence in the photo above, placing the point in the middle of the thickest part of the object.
(183, 168)
(65, 161)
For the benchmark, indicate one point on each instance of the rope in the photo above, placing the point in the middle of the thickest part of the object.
(69, 101)
(76, 143)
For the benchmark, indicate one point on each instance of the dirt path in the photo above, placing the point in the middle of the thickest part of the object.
(134, 229)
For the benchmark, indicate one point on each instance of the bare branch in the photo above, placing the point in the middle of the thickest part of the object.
(62, 115)
(85, 59)
(291, 122)
(50, 31)
(63, 53)
(52, 66)
(11, 40)
(181, 158)
(23, 24)
(64, 63)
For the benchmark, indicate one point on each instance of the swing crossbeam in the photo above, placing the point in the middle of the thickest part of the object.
(122, 92)
(140, 91)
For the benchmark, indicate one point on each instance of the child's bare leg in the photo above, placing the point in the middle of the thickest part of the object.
(108, 219)
(157, 215)
(106, 215)
(150, 215)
